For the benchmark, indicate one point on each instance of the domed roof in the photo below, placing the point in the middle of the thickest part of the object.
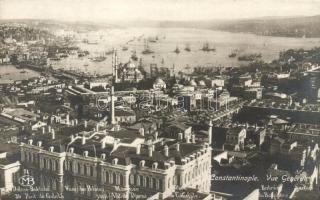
(202, 83)
(192, 83)
(131, 65)
(159, 81)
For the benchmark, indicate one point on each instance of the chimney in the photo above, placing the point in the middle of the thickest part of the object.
(43, 130)
(138, 149)
(76, 121)
(187, 139)
(156, 135)
(141, 131)
(49, 129)
(112, 106)
(103, 156)
(85, 124)
(68, 119)
(178, 147)
(97, 127)
(193, 138)
(166, 151)
(103, 145)
(71, 150)
(210, 132)
(83, 140)
(85, 153)
(150, 150)
(72, 123)
(39, 144)
(180, 136)
(53, 134)
(30, 142)
(51, 149)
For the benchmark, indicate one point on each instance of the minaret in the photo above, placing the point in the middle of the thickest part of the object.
(112, 106)
(115, 66)
(210, 132)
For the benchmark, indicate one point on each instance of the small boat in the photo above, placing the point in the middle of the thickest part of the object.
(177, 50)
(99, 59)
(232, 55)
(147, 50)
(187, 48)
(125, 48)
(134, 56)
(55, 58)
(207, 48)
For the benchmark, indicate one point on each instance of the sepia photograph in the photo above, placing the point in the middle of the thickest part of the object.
(159, 99)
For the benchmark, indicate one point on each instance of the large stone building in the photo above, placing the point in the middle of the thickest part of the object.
(117, 163)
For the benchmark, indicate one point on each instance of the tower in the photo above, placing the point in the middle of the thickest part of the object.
(210, 132)
(115, 66)
(113, 121)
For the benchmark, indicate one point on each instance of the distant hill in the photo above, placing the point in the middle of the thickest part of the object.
(297, 26)
(275, 26)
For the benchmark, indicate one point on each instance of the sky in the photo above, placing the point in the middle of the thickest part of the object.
(103, 10)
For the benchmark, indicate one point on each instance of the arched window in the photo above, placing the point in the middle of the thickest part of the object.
(91, 171)
(144, 183)
(44, 163)
(50, 164)
(57, 165)
(154, 184)
(107, 177)
(79, 168)
(131, 179)
(141, 180)
(121, 180)
(114, 178)
(160, 184)
(70, 166)
(147, 182)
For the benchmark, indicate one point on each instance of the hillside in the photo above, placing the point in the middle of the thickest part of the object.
(285, 27)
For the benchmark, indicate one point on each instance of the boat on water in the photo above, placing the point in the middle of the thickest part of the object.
(187, 48)
(109, 52)
(134, 56)
(232, 55)
(206, 47)
(55, 58)
(250, 57)
(99, 59)
(177, 50)
(125, 48)
(147, 50)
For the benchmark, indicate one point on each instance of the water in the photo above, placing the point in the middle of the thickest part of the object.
(169, 39)
(9, 74)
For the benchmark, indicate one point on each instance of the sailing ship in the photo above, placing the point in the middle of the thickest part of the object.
(134, 56)
(206, 47)
(233, 53)
(147, 50)
(187, 48)
(177, 50)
